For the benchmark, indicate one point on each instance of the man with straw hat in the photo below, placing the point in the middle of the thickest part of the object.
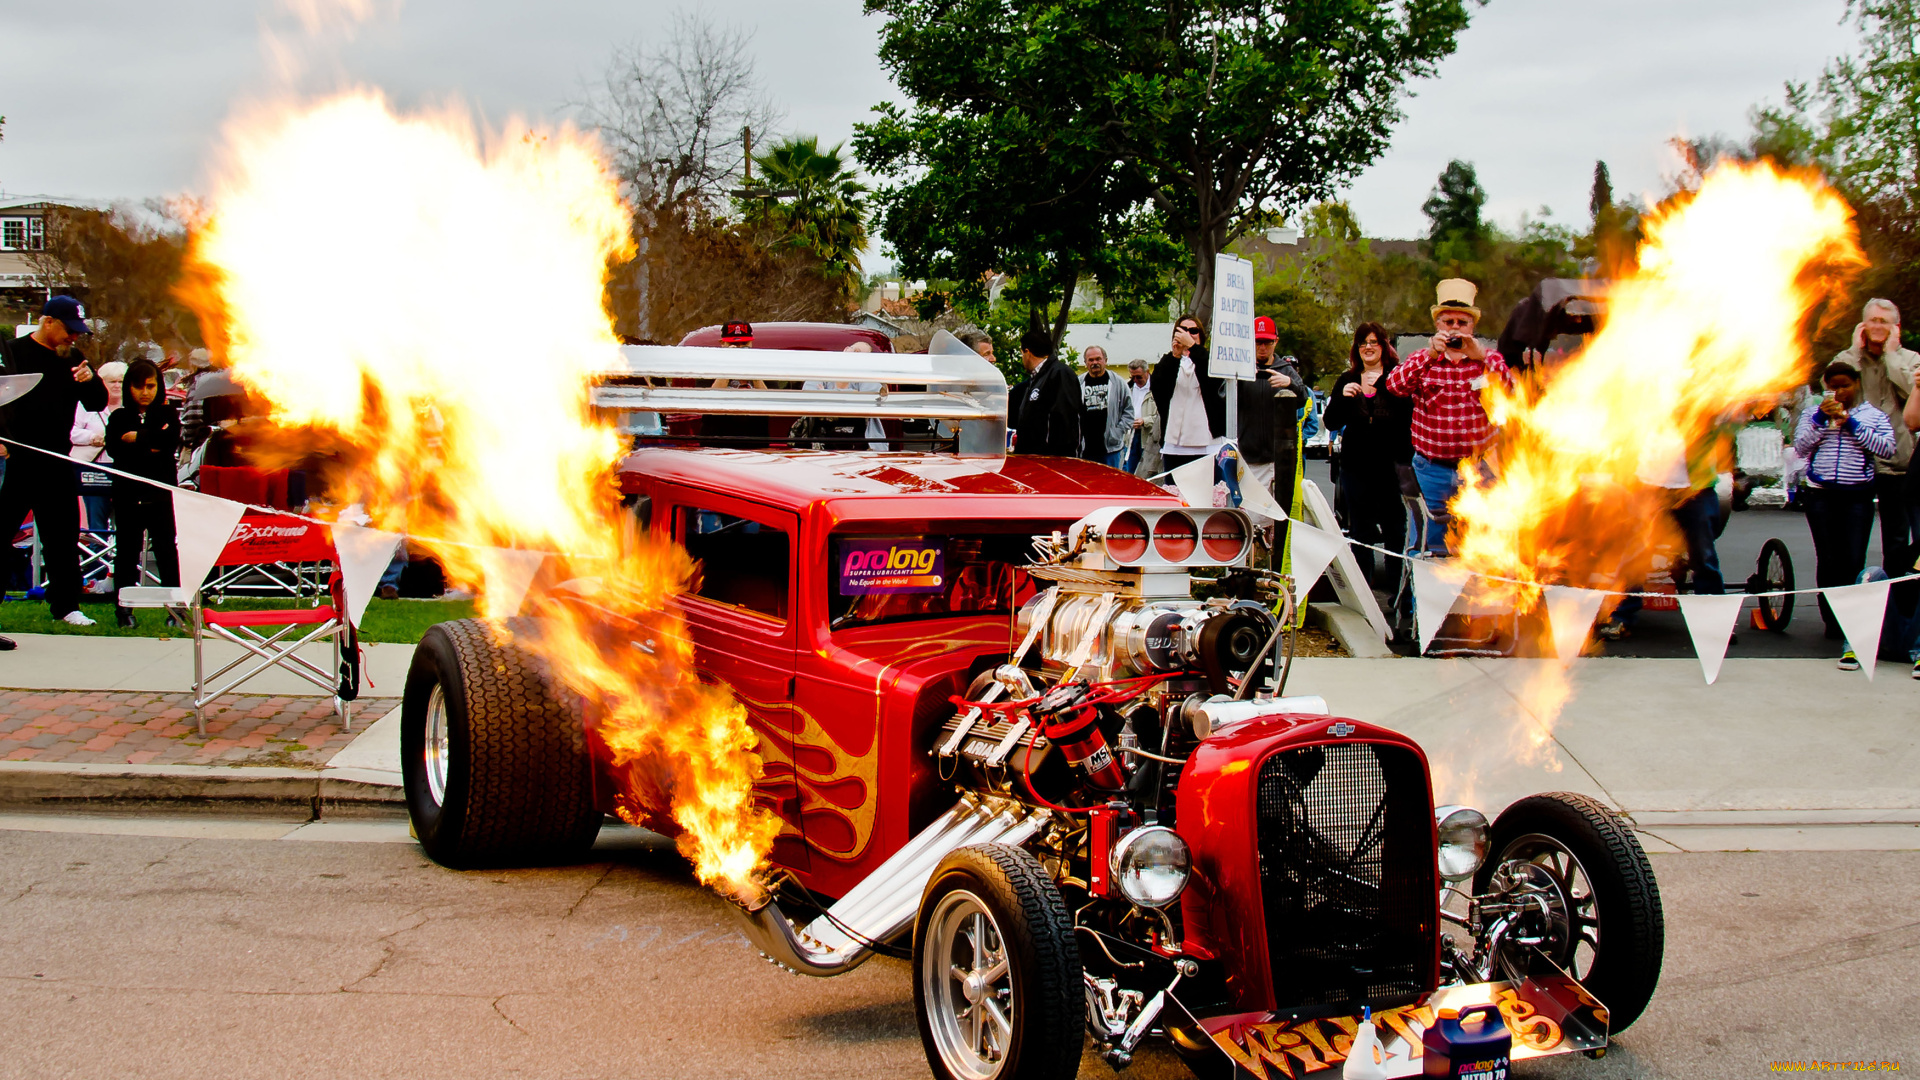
(1446, 380)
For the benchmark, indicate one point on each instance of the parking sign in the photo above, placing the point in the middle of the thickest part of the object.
(1231, 344)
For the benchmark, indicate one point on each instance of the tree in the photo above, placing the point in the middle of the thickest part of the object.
(676, 118)
(1859, 124)
(1455, 232)
(811, 202)
(672, 115)
(127, 263)
(1022, 192)
(1615, 232)
(1308, 329)
(1219, 115)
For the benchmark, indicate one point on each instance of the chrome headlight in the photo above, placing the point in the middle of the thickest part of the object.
(1463, 841)
(1150, 865)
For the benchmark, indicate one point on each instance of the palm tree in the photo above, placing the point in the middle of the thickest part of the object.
(811, 199)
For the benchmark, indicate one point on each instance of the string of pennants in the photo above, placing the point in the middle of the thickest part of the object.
(1437, 584)
(205, 524)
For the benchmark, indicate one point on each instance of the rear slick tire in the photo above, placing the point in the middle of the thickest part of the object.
(997, 981)
(493, 753)
(1616, 925)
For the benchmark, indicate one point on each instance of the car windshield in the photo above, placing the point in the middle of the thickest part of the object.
(929, 573)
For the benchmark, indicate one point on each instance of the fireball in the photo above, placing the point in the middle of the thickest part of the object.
(431, 300)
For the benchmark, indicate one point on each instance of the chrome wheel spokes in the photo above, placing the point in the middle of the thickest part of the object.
(434, 747)
(969, 987)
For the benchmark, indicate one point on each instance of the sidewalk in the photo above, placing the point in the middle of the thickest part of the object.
(1780, 754)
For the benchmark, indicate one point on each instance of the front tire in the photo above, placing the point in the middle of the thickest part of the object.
(997, 977)
(1608, 929)
(493, 753)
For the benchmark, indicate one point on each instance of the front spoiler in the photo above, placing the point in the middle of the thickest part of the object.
(1547, 1016)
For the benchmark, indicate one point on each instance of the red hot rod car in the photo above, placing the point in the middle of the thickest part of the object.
(1005, 740)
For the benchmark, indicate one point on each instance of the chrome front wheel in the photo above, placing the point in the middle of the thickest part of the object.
(997, 979)
(968, 986)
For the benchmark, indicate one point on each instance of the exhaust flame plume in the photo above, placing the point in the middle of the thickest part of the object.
(434, 304)
(1710, 325)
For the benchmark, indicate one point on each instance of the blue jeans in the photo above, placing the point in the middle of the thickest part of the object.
(1901, 626)
(391, 576)
(1438, 483)
(1133, 449)
(1114, 458)
(1695, 517)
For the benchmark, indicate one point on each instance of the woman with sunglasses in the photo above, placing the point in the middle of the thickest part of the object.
(1192, 405)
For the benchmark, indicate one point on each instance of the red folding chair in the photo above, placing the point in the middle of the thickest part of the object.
(261, 488)
(268, 637)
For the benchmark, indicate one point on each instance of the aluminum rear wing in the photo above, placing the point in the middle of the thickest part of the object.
(950, 384)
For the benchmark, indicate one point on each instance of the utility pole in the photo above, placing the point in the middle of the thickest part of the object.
(746, 140)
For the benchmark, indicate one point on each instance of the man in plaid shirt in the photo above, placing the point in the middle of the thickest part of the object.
(1445, 381)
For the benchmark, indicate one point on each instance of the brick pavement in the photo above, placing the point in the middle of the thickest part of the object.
(120, 727)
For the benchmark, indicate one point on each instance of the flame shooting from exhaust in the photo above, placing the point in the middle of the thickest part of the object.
(1711, 324)
(434, 304)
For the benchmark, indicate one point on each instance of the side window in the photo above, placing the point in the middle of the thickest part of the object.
(745, 563)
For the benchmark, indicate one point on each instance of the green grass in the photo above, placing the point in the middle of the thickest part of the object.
(401, 621)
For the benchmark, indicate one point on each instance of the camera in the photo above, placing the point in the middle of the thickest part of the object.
(1456, 341)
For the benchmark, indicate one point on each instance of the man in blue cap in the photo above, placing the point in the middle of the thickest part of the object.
(43, 417)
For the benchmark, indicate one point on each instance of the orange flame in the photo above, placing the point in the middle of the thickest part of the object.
(434, 302)
(1711, 324)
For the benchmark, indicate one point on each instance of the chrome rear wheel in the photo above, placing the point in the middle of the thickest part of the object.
(968, 986)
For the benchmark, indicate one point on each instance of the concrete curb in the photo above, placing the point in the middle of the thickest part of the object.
(51, 784)
(1351, 629)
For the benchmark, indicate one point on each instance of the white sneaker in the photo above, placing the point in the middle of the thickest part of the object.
(75, 618)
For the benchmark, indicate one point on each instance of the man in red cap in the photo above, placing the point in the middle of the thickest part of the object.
(1258, 402)
(739, 432)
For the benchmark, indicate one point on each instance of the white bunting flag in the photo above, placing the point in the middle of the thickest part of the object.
(1255, 498)
(364, 554)
(509, 571)
(1313, 549)
(1710, 621)
(1860, 609)
(1435, 587)
(202, 526)
(1195, 481)
(1570, 613)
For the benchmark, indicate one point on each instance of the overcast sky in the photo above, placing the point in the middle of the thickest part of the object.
(121, 99)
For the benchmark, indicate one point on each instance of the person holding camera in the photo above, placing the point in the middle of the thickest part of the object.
(1192, 404)
(1840, 440)
(1886, 382)
(1445, 381)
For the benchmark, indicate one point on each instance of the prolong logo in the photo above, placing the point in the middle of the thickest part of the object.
(893, 564)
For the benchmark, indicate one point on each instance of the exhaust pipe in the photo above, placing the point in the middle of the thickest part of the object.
(883, 905)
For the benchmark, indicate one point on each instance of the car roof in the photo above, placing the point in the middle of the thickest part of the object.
(798, 479)
(817, 337)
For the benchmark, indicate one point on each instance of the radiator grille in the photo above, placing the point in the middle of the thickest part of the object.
(1347, 875)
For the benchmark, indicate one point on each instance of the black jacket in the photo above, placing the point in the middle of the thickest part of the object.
(1377, 430)
(156, 441)
(1046, 418)
(43, 417)
(1257, 408)
(1213, 392)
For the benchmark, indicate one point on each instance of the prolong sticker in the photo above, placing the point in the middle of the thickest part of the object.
(900, 564)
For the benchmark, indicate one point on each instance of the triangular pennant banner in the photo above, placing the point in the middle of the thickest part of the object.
(1434, 592)
(1313, 549)
(509, 571)
(1710, 621)
(1195, 481)
(1860, 609)
(1255, 498)
(1570, 613)
(202, 526)
(364, 555)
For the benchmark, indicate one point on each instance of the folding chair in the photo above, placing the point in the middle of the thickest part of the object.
(257, 487)
(268, 637)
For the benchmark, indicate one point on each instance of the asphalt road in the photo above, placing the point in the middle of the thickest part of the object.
(218, 950)
(1663, 634)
